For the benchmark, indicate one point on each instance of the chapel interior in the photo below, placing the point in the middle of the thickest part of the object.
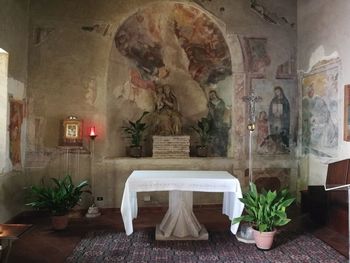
(270, 80)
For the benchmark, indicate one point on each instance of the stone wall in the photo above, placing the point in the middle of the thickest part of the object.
(76, 69)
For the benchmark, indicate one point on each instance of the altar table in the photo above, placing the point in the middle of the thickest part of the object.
(179, 220)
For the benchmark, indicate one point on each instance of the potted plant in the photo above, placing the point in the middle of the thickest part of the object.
(136, 130)
(204, 132)
(265, 211)
(58, 198)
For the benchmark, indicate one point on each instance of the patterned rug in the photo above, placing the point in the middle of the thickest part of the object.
(104, 246)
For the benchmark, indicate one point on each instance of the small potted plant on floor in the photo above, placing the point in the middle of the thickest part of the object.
(203, 130)
(136, 130)
(265, 211)
(58, 198)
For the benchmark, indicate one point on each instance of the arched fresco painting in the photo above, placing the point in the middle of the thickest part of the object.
(179, 46)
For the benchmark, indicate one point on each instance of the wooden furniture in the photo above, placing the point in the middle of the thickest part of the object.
(8, 234)
(330, 208)
(180, 222)
(338, 174)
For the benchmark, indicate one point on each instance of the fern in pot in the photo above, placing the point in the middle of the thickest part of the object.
(58, 198)
(265, 211)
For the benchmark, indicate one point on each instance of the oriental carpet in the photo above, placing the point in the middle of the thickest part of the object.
(141, 246)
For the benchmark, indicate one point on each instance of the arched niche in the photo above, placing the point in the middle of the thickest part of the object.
(177, 44)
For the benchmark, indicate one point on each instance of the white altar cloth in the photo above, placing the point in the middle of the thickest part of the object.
(200, 181)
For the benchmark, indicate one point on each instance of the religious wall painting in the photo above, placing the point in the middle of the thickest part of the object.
(271, 178)
(238, 111)
(257, 57)
(205, 46)
(16, 120)
(275, 119)
(166, 118)
(320, 109)
(178, 46)
(347, 113)
(219, 126)
(286, 70)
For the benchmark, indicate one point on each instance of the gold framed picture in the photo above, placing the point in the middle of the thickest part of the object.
(72, 132)
(347, 113)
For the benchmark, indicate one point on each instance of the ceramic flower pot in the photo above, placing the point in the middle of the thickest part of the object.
(135, 151)
(202, 151)
(59, 222)
(264, 240)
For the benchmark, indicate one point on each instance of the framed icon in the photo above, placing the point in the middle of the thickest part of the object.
(72, 132)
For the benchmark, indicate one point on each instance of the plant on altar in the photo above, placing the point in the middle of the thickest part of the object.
(265, 211)
(58, 198)
(203, 130)
(136, 130)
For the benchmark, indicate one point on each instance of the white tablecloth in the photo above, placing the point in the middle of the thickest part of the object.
(199, 181)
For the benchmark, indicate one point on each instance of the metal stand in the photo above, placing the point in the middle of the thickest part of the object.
(93, 210)
(245, 233)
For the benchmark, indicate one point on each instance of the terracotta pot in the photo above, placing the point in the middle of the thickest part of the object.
(59, 222)
(264, 240)
(202, 151)
(135, 151)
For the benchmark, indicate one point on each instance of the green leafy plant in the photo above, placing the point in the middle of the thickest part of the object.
(266, 210)
(59, 197)
(204, 131)
(136, 130)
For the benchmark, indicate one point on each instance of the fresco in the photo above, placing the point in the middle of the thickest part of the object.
(320, 109)
(239, 115)
(286, 70)
(274, 118)
(204, 44)
(178, 47)
(16, 119)
(256, 55)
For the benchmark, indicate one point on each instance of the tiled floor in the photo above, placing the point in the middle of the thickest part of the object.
(41, 244)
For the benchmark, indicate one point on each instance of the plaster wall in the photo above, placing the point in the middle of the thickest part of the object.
(13, 39)
(323, 33)
(70, 48)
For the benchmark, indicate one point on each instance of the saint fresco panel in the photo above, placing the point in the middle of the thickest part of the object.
(320, 109)
(16, 119)
(275, 120)
(257, 56)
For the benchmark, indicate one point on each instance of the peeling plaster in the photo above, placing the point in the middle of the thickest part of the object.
(319, 55)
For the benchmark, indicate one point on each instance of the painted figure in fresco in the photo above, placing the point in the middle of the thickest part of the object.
(262, 127)
(318, 127)
(168, 117)
(279, 116)
(219, 128)
(16, 118)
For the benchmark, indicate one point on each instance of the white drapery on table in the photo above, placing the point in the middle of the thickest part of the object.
(199, 181)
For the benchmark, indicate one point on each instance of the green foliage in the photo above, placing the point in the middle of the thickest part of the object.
(204, 131)
(136, 129)
(266, 210)
(59, 197)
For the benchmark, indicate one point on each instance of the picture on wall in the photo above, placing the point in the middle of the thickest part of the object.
(347, 113)
(320, 109)
(275, 119)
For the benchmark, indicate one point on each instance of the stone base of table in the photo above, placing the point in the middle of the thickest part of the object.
(203, 235)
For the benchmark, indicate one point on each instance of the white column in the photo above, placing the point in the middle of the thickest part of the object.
(3, 109)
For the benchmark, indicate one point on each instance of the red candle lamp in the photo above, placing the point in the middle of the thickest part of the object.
(92, 133)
